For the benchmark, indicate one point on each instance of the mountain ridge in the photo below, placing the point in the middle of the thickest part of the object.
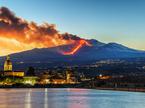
(98, 50)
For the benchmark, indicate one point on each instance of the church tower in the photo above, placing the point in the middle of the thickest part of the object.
(68, 76)
(8, 64)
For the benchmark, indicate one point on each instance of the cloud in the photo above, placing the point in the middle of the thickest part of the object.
(30, 34)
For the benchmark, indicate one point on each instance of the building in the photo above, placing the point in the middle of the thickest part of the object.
(8, 70)
(14, 73)
(7, 64)
(44, 78)
(58, 81)
(32, 80)
(70, 77)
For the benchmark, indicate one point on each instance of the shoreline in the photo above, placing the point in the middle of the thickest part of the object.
(95, 88)
(122, 89)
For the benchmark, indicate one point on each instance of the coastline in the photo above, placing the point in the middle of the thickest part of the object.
(122, 89)
(72, 86)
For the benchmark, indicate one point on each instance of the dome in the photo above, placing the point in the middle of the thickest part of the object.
(8, 62)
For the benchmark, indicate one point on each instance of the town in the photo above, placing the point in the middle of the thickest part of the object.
(96, 75)
(9, 77)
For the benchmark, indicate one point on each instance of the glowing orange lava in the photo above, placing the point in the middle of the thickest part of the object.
(76, 48)
(18, 34)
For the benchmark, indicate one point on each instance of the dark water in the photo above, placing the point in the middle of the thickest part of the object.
(69, 98)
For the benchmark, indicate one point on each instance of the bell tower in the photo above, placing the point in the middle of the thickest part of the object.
(8, 64)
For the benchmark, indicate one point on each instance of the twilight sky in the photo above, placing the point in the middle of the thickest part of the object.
(121, 21)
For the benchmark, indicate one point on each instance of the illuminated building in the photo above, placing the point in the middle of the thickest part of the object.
(30, 80)
(8, 71)
(103, 77)
(8, 64)
(68, 75)
(44, 78)
(70, 78)
(58, 81)
(14, 73)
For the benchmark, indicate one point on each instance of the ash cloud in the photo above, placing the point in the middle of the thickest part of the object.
(68, 36)
(44, 35)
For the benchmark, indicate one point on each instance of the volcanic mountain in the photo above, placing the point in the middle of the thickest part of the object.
(86, 53)
(50, 46)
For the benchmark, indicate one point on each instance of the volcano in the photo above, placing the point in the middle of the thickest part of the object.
(94, 51)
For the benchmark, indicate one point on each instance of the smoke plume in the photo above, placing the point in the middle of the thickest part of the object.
(24, 35)
(17, 34)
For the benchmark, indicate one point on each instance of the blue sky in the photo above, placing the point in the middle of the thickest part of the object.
(121, 21)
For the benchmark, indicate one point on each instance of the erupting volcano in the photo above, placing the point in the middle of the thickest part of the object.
(79, 45)
(17, 34)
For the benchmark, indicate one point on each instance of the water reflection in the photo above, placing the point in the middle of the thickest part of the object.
(28, 99)
(46, 98)
(70, 98)
(77, 98)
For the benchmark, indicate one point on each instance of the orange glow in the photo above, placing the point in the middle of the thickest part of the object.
(76, 48)
(104, 77)
(17, 34)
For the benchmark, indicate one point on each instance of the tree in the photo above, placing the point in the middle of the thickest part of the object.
(31, 71)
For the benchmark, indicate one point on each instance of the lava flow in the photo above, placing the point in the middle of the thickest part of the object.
(80, 44)
(18, 34)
